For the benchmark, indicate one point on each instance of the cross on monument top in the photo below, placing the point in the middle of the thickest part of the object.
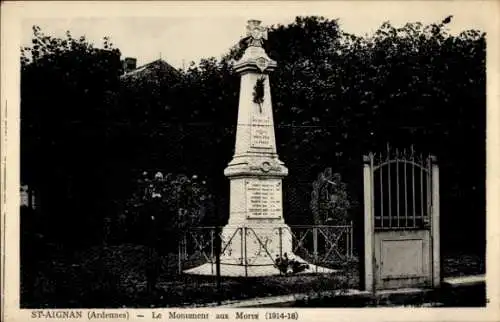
(256, 33)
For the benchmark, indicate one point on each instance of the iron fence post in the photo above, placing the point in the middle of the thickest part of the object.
(351, 244)
(281, 241)
(212, 244)
(245, 250)
(217, 263)
(347, 241)
(242, 250)
(315, 246)
(212, 249)
(185, 247)
(179, 256)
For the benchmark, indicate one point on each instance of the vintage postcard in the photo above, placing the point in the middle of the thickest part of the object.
(250, 161)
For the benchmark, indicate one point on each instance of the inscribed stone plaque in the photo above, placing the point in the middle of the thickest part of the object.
(261, 132)
(263, 198)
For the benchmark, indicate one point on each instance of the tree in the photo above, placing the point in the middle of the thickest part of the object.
(68, 90)
(161, 209)
(335, 95)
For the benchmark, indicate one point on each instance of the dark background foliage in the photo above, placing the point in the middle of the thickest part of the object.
(87, 135)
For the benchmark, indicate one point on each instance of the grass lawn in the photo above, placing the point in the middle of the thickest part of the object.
(462, 265)
(115, 277)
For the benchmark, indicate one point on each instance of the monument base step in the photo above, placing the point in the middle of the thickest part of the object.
(249, 270)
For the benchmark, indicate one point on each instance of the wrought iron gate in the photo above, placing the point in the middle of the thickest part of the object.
(401, 193)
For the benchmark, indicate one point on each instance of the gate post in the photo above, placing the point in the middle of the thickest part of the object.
(435, 230)
(368, 222)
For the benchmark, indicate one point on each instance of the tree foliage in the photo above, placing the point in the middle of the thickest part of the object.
(335, 97)
(68, 94)
(162, 207)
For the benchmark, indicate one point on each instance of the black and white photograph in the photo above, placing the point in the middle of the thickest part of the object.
(192, 158)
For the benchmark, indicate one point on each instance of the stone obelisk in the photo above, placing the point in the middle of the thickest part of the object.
(256, 233)
(255, 172)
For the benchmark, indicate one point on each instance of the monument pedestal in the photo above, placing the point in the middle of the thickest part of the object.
(256, 233)
(251, 250)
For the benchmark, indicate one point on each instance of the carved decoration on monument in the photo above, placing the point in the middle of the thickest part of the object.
(262, 63)
(256, 33)
(265, 166)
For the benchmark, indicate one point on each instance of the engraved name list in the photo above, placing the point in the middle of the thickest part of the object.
(264, 198)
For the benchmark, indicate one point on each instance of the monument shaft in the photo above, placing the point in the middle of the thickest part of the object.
(256, 232)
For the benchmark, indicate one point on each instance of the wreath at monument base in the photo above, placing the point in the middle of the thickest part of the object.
(330, 201)
(289, 266)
